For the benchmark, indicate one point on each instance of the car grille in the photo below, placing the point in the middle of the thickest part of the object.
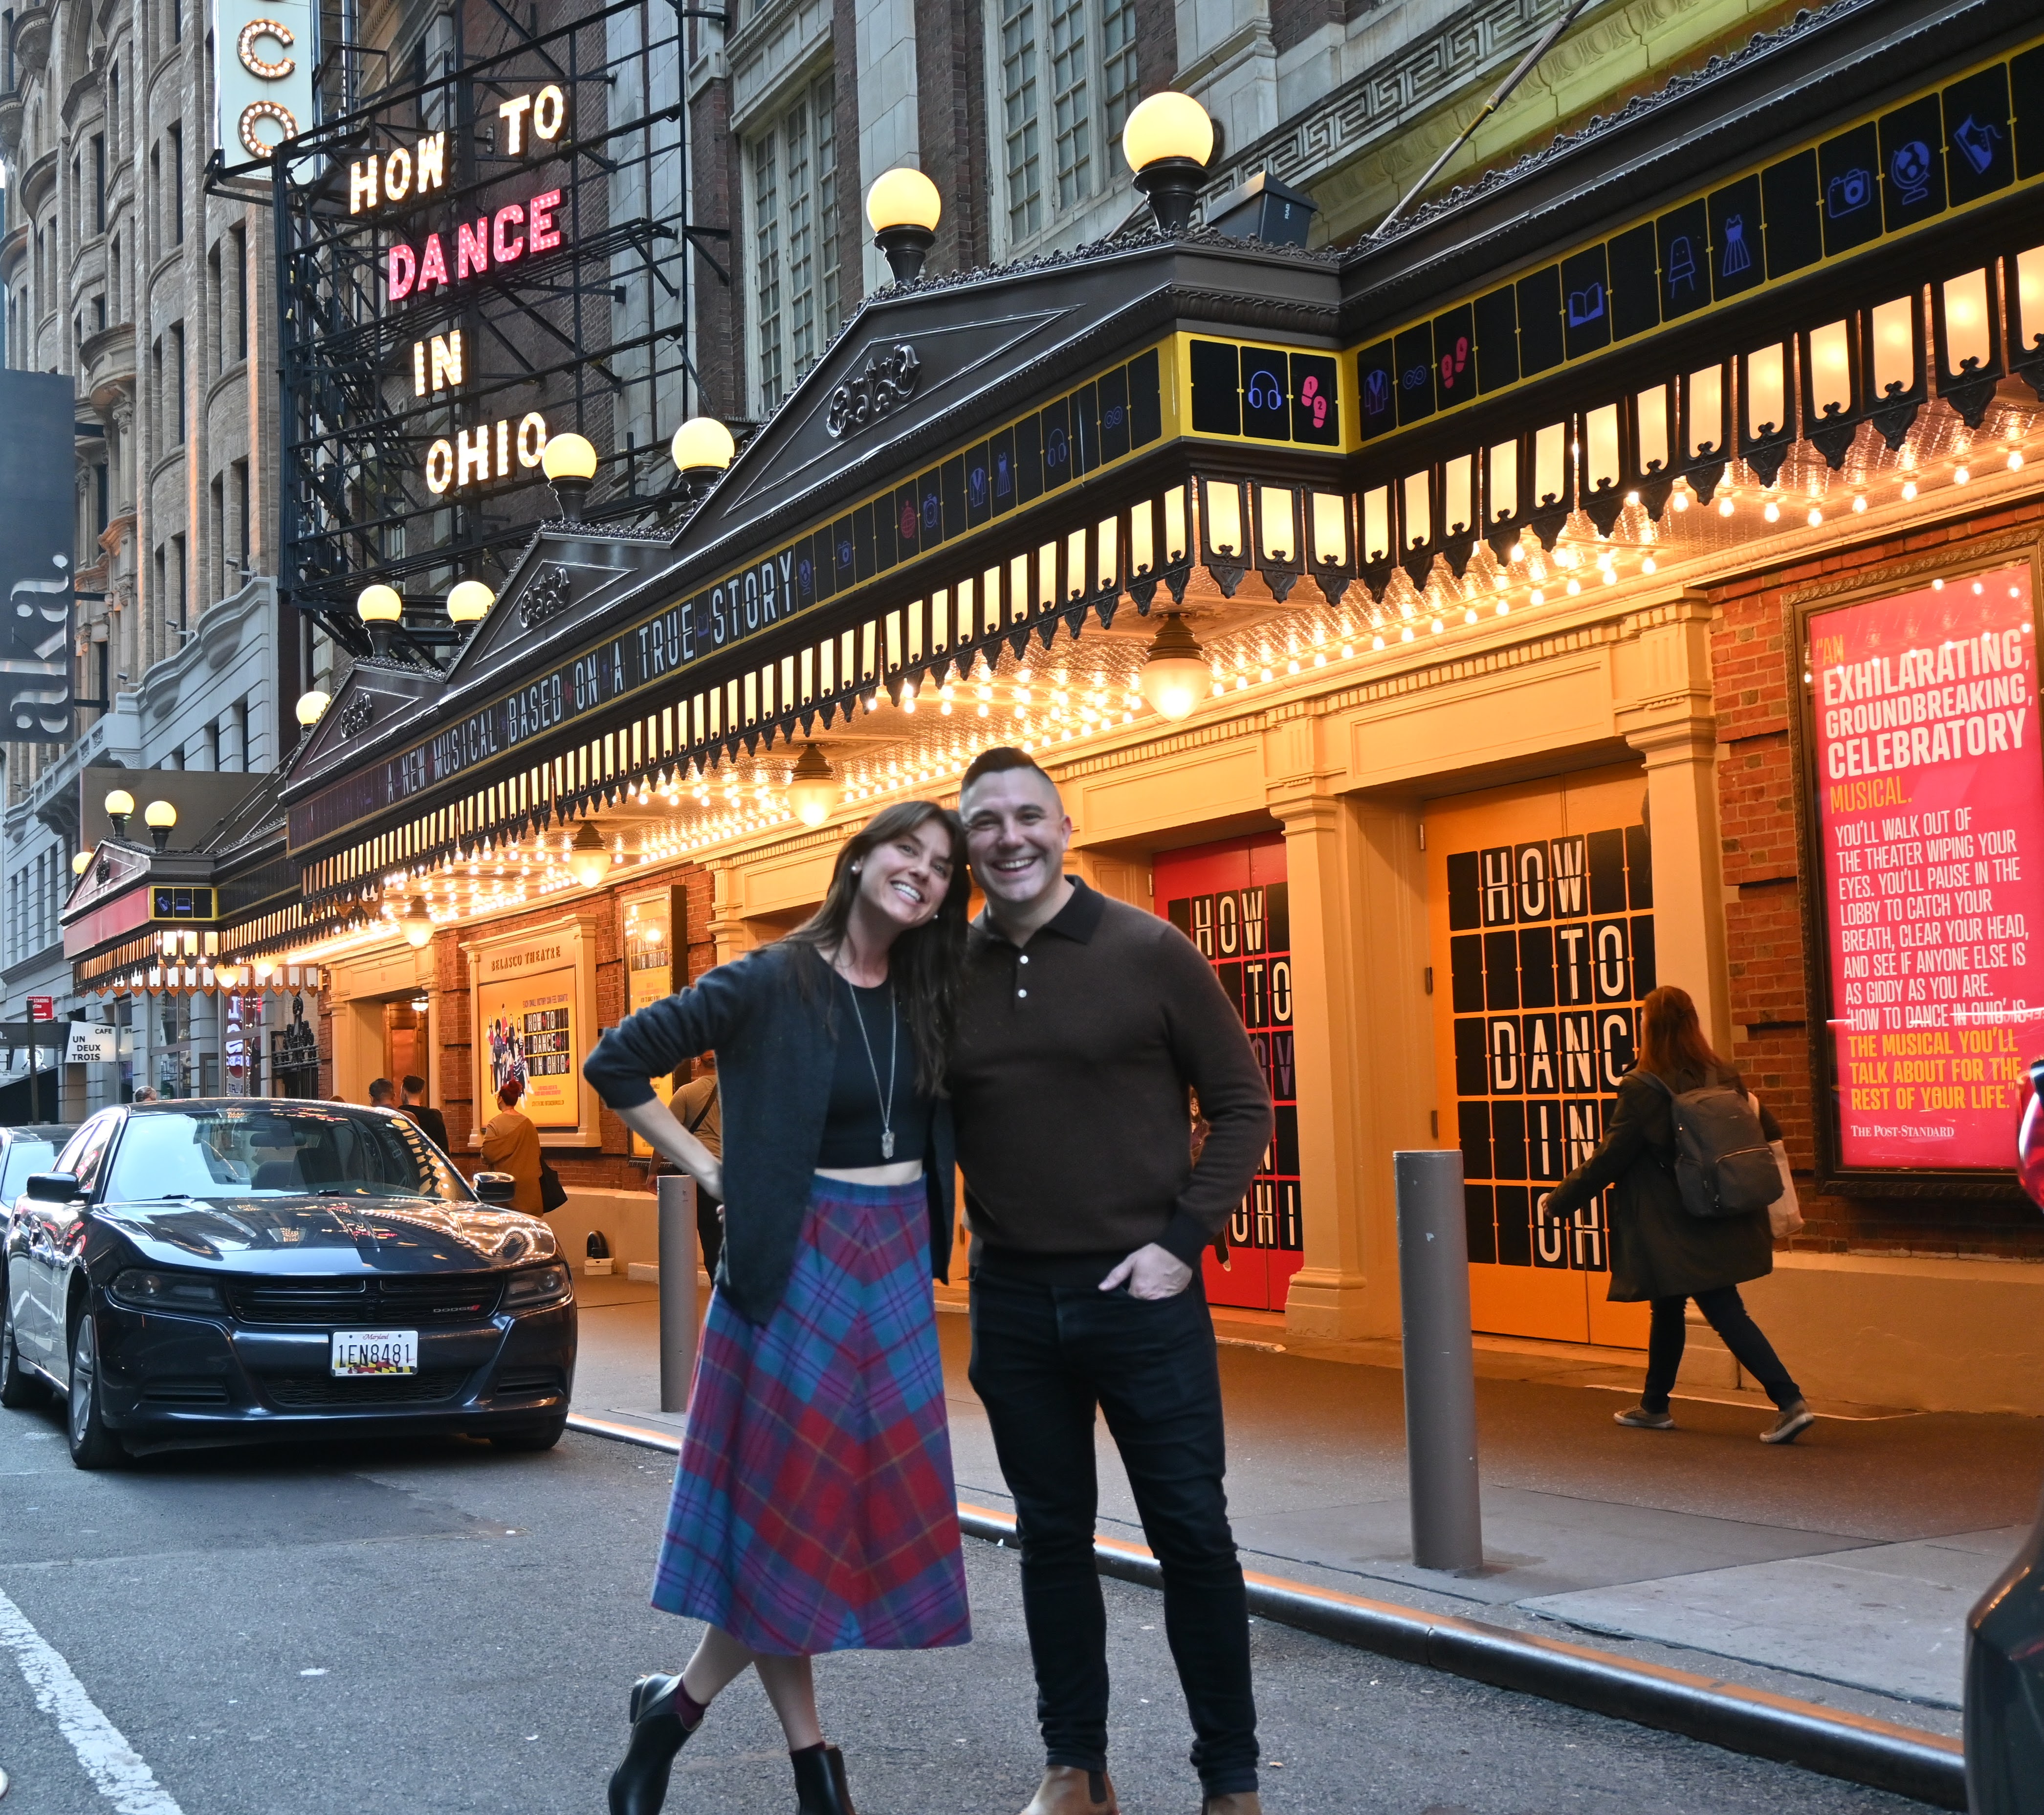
(368, 1304)
(173, 1389)
(525, 1382)
(428, 1388)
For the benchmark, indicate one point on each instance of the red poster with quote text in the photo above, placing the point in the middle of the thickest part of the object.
(1930, 820)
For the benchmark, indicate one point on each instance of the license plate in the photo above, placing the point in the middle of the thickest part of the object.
(375, 1352)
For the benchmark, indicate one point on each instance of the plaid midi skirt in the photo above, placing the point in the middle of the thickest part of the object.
(814, 1509)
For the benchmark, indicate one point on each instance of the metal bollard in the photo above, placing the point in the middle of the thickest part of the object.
(677, 1290)
(1440, 1362)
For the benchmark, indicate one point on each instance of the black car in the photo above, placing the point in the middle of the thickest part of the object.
(223, 1270)
(32, 1148)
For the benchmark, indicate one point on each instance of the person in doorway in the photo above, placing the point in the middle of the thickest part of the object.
(382, 1093)
(813, 1508)
(1084, 1026)
(1659, 1252)
(695, 1106)
(511, 1143)
(432, 1125)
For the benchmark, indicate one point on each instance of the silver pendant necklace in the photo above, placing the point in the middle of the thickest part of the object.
(893, 1036)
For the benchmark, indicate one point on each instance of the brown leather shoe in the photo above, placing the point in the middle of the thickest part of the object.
(1235, 1803)
(1068, 1790)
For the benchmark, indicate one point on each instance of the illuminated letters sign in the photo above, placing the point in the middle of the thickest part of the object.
(263, 55)
(1931, 820)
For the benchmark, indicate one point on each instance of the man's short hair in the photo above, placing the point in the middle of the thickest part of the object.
(413, 1087)
(998, 761)
(380, 1090)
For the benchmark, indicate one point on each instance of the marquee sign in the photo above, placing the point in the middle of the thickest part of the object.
(264, 51)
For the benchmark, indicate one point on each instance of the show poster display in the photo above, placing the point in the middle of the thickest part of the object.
(1931, 817)
(649, 975)
(527, 1023)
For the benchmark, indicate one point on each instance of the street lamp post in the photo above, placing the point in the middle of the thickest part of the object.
(1167, 141)
(379, 607)
(904, 207)
(570, 464)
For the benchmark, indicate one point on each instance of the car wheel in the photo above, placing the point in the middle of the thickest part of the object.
(92, 1444)
(533, 1437)
(18, 1387)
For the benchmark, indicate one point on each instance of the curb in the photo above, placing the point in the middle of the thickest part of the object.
(1856, 1747)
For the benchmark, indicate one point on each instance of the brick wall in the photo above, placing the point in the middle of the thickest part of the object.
(721, 362)
(951, 126)
(1156, 47)
(852, 228)
(1292, 20)
(1756, 673)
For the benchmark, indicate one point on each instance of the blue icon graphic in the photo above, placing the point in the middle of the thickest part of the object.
(1003, 482)
(1848, 192)
(806, 574)
(1909, 169)
(932, 512)
(1376, 392)
(1976, 143)
(844, 556)
(1417, 378)
(1681, 264)
(1055, 450)
(1264, 392)
(1113, 418)
(975, 482)
(1585, 305)
(1737, 258)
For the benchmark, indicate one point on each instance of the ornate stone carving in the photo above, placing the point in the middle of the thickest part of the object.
(887, 382)
(551, 594)
(356, 715)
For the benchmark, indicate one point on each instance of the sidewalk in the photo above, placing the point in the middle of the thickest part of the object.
(1838, 1571)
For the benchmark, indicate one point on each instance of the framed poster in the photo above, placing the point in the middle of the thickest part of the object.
(534, 992)
(1923, 827)
(655, 942)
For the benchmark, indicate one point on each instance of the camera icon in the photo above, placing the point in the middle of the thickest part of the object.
(1849, 192)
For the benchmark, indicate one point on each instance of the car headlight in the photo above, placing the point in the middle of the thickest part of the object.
(537, 1284)
(145, 1290)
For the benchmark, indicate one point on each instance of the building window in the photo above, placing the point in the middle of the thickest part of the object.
(241, 514)
(237, 250)
(793, 170)
(1068, 68)
(183, 578)
(177, 357)
(178, 183)
(99, 182)
(217, 327)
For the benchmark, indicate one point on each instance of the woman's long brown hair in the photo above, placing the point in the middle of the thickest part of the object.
(922, 964)
(1671, 1038)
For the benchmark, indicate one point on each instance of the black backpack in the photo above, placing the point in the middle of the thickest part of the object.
(1724, 1165)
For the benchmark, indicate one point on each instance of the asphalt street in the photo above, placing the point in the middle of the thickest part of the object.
(399, 1630)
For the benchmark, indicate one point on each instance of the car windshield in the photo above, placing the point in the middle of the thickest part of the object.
(268, 1152)
(24, 1156)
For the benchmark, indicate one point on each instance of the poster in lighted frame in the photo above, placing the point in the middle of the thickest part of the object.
(1923, 824)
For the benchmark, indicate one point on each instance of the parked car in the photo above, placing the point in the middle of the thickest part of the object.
(222, 1270)
(2004, 1693)
(32, 1148)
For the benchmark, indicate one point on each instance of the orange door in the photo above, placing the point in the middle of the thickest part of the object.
(1230, 900)
(1540, 902)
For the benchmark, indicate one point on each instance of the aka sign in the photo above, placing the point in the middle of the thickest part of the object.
(263, 55)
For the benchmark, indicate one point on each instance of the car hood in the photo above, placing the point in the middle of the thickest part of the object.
(315, 1235)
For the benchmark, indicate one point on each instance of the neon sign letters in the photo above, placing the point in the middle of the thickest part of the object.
(506, 237)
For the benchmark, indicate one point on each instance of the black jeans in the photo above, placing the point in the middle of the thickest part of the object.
(1042, 1358)
(1728, 1315)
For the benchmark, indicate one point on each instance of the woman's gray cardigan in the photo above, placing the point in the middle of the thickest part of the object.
(776, 1051)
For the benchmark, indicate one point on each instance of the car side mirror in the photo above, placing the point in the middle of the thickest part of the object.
(51, 1187)
(491, 1187)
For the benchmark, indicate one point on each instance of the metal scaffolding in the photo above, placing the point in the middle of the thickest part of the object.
(592, 333)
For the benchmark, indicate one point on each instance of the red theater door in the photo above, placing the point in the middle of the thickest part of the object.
(1229, 899)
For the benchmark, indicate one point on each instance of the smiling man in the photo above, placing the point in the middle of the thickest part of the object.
(1083, 1025)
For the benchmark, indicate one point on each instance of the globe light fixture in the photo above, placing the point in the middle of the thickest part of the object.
(570, 465)
(378, 605)
(82, 862)
(702, 449)
(469, 602)
(311, 707)
(1175, 678)
(813, 787)
(119, 804)
(264, 969)
(160, 817)
(227, 976)
(1167, 141)
(418, 924)
(589, 859)
(904, 207)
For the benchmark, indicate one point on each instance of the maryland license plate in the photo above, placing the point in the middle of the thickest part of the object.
(375, 1352)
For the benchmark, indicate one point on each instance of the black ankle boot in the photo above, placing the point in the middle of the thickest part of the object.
(639, 1787)
(820, 1781)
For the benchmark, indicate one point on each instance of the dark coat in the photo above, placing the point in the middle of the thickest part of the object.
(776, 1049)
(1657, 1249)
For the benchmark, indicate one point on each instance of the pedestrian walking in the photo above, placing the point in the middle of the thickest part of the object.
(819, 1365)
(1662, 1251)
(432, 1125)
(511, 1143)
(696, 1108)
(1083, 1025)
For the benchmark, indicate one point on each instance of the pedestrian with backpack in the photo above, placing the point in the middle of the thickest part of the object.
(1688, 1157)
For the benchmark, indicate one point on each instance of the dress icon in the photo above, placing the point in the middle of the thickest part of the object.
(1737, 258)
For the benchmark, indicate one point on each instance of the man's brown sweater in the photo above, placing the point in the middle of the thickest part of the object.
(1069, 1081)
